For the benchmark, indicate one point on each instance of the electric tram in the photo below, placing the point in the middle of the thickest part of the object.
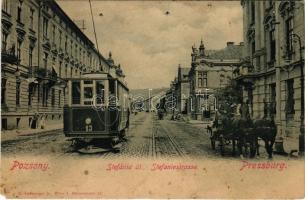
(97, 109)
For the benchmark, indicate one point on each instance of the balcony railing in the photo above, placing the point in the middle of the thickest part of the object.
(45, 74)
(9, 56)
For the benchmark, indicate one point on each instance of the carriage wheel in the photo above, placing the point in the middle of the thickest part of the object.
(252, 150)
(122, 134)
(213, 143)
(222, 145)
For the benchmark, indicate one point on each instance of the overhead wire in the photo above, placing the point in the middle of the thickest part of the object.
(94, 30)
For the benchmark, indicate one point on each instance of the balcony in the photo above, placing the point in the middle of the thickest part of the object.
(46, 76)
(245, 73)
(61, 53)
(9, 56)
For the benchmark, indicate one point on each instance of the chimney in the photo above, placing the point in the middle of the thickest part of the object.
(230, 44)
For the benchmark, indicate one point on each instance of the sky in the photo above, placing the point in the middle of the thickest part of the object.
(150, 44)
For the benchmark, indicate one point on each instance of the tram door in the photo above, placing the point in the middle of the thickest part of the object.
(113, 110)
(100, 93)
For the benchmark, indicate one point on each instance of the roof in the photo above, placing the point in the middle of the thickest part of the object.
(184, 71)
(230, 52)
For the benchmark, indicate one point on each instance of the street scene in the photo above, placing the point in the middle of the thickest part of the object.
(171, 84)
(147, 137)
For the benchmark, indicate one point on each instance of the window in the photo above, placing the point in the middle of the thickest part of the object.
(3, 124)
(45, 95)
(75, 51)
(100, 92)
(290, 97)
(30, 94)
(53, 97)
(272, 45)
(60, 38)
(60, 68)
(205, 79)
(17, 92)
(5, 6)
(88, 92)
(80, 54)
(200, 79)
(71, 48)
(66, 43)
(32, 18)
(66, 71)
(273, 99)
(4, 41)
(19, 11)
(17, 122)
(3, 91)
(54, 34)
(288, 33)
(31, 48)
(252, 12)
(71, 72)
(45, 27)
(19, 44)
(75, 92)
(59, 98)
(253, 47)
(45, 61)
(38, 93)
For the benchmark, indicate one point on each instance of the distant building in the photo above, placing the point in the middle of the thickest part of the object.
(210, 71)
(183, 89)
(271, 70)
(41, 47)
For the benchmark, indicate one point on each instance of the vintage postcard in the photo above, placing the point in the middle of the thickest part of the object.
(152, 99)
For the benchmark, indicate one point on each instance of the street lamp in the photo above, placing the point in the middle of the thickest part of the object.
(301, 136)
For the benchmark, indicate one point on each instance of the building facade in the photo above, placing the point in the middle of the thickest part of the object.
(210, 71)
(274, 35)
(41, 47)
(182, 89)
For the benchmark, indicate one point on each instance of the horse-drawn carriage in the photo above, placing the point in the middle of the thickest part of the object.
(242, 132)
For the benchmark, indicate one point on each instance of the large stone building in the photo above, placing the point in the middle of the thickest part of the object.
(210, 71)
(274, 35)
(182, 89)
(41, 46)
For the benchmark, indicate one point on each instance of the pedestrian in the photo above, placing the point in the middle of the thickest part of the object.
(42, 122)
(34, 121)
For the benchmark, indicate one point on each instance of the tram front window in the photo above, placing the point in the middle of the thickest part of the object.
(88, 95)
(75, 92)
(100, 92)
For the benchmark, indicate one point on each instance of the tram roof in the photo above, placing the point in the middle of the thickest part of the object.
(98, 76)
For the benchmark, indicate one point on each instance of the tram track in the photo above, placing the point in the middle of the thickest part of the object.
(162, 141)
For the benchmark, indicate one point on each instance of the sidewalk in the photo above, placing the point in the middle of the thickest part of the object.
(17, 133)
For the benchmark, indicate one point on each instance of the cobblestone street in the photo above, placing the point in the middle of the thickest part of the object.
(147, 137)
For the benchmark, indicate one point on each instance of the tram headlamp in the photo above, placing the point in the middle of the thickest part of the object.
(88, 120)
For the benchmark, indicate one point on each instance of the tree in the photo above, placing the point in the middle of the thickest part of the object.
(228, 99)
